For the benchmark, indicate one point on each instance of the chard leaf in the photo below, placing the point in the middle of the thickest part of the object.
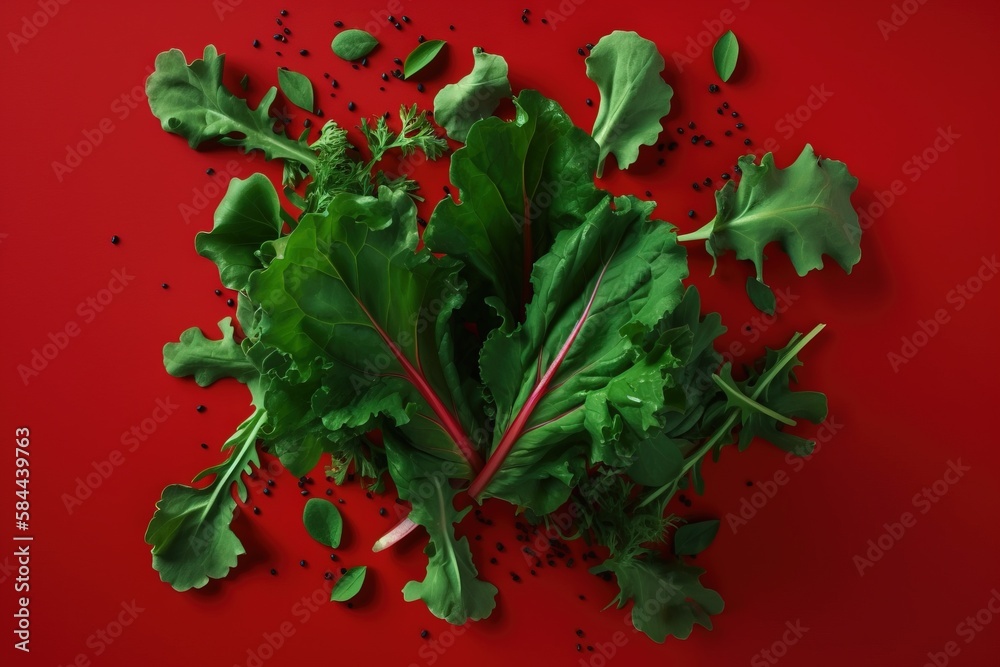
(806, 208)
(725, 54)
(190, 531)
(669, 599)
(248, 216)
(421, 56)
(352, 301)
(473, 97)
(323, 522)
(576, 370)
(297, 88)
(626, 69)
(353, 44)
(191, 101)
(693, 538)
(208, 360)
(520, 183)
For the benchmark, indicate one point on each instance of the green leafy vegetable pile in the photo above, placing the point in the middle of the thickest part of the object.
(537, 343)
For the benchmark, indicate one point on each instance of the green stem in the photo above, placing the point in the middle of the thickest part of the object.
(698, 235)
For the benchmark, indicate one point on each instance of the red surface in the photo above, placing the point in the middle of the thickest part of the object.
(793, 562)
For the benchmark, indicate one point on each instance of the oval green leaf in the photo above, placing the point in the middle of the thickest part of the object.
(658, 461)
(349, 584)
(323, 522)
(353, 44)
(421, 56)
(297, 88)
(761, 296)
(725, 54)
(693, 538)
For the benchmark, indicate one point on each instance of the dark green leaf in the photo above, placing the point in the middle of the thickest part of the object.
(323, 522)
(297, 88)
(473, 97)
(693, 538)
(353, 44)
(349, 584)
(658, 460)
(761, 296)
(626, 69)
(421, 56)
(724, 55)
(247, 217)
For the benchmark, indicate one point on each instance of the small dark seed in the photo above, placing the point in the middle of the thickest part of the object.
(270, 482)
(204, 445)
(364, 62)
(707, 182)
(287, 32)
(333, 82)
(729, 133)
(343, 570)
(680, 130)
(590, 103)
(590, 47)
(328, 575)
(382, 511)
(726, 176)
(277, 37)
(749, 483)
(545, 21)
(266, 491)
(579, 647)
(256, 43)
(691, 125)
(672, 145)
(735, 114)
(695, 139)
(581, 52)
(385, 77)
(397, 26)
(421, 39)
(712, 88)
(725, 105)
(424, 634)
(493, 561)
(451, 27)
(579, 632)
(420, 87)
(229, 302)
(691, 213)
(338, 24)
(164, 285)
(524, 19)
(302, 563)
(696, 186)
(284, 12)
(406, 19)
(333, 557)
(350, 106)
(278, 21)
(200, 408)
(273, 571)
(256, 510)
(747, 142)
(304, 492)
(648, 193)
(329, 492)
(708, 142)
(390, 18)
(739, 126)
(115, 239)
(303, 52)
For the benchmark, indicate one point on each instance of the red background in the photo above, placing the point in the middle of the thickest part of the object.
(898, 429)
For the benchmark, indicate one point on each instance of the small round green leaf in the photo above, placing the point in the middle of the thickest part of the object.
(693, 538)
(349, 584)
(353, 44)
(725, 54)
(323, 522)
(297, 88)
(421, 56)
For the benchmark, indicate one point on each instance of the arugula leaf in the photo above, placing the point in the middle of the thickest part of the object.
(693, 538)
(473, 97)
(806, 208)
(724, 55)
(396, 365)
(520, 183)
(208, 360)
(248, 215)
(421, 56)
(323, 522)
(349, 585)
(353, 44)
(626, 69)
(297, 88)
(190, 100)
(190, 531)
(570, 371)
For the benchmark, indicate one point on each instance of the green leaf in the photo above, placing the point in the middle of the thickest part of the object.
(323, 522)
(575, 370)
(724, 55)
(349, 584)
(626, 69)
(208, 360)
(191, 101)
(190, 531)
(693, 538)
(397, 365)
(658, 460)
(297, 88)
(451, 589)
(519, 183)
(473, 97)
(806, 208)
(669, 600)
(353, 44)
(761, 296)
(248, 216)
(421, 56)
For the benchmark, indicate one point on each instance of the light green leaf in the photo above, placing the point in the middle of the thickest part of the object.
(724, 55)
(473, 97)
(248, 216)
(421, 56)
(349, 584)
(323, 522)
(353, 44)
(208, 360)
(693, 538)
(297, 88)
(626, 69)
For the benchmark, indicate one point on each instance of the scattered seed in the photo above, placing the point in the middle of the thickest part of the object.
(204, 445)
(164, 285)
(421, 39)
(350, 106)
(735, 114)
(420, 87)
(329, 492)
(708, 142)
(524, 19)
(691, 213)
(200, 408)
(273, 572)
(328, 575)
(707, 182)
(302, 563)
(590, 103)
(338, 24)
(406, 19)
(712, 88)
(382, 511)
(739, 126)
(115, 239)
(680, 130)
(581, 52)
(256, 510)
(303, 52)
(696, 186)
(747, 142)
(726, 176)
(229, 302)
(266, 491)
